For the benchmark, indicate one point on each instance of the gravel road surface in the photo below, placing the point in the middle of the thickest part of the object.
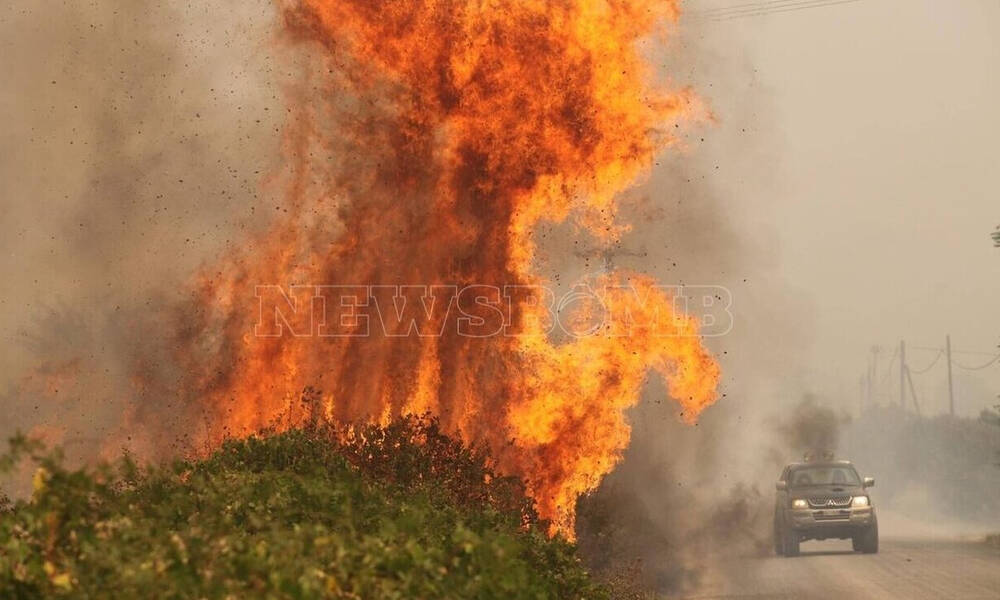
(905, 570)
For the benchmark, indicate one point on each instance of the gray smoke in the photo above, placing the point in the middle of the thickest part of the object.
(137, 137)
(811, 428)
(681, 503)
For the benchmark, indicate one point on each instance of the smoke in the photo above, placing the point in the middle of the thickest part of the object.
(682, 506)
(147, 136)
(686, 500)
(138, 135)
(393, 176)
(934, 476)
(812, 429)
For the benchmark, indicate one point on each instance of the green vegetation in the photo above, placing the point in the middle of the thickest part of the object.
(397, 512)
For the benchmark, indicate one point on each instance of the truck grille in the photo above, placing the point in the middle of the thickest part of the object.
(835, 502)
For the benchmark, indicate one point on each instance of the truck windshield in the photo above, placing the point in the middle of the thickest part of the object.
(824, 476)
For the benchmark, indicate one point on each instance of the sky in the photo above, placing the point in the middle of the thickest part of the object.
(870, 179)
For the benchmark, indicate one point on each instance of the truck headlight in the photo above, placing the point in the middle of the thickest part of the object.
(799, 503)
(860, 501)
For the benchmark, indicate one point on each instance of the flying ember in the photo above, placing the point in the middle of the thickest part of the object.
(428, 141)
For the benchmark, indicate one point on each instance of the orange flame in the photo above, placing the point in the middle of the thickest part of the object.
(432, 136)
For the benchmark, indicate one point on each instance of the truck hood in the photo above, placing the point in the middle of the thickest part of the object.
(827, 491)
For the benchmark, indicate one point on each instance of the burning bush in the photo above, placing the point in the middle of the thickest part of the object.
(425, 146)
(382, 512)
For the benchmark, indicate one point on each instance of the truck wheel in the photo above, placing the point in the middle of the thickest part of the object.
(790, 542)
(856, 542)
(869, 539)
(778, 549)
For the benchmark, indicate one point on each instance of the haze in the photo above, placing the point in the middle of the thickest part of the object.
(869, 179)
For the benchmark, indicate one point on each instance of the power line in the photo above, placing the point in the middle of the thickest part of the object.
(888, 368)
(906, 372)
(741, 6)
(782, 10)
(765, 8)
(930, 366)
(953, 351)
(993, 358)
(753, 7)
(979, 368)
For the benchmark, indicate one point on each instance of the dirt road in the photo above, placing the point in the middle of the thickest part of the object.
(905, 570)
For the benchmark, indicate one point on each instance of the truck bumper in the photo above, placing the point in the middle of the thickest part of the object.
(831, 522)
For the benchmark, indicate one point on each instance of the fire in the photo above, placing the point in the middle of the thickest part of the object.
(429, 141)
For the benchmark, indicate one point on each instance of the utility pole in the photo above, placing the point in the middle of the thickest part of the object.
(861, 398)
(608, 252)
(868, 387)
(951, 385)
(913, 392)
(874, 375)
(902, 374)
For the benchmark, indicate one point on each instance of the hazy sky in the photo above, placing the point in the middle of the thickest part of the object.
(877, 141)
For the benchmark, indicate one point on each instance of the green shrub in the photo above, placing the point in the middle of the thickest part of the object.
(396, 512)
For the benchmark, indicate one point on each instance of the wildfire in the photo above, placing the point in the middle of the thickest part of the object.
(430, 139)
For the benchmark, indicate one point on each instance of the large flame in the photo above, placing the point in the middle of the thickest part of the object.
(429, 140)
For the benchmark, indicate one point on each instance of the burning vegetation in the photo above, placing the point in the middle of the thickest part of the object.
(423, 145)
(426, 142)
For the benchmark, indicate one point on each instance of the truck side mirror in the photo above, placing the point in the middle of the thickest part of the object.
(781, 486)
(869, 482)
